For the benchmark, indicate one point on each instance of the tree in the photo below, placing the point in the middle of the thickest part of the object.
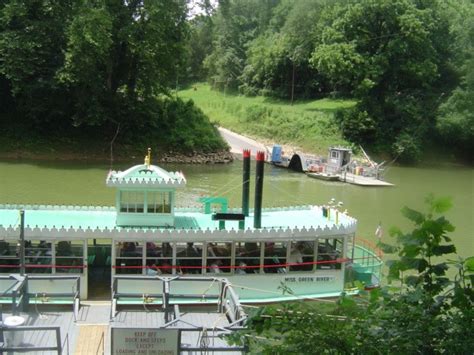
(278, 60)
(78, 70)
(392, 55)
(120, 52)
(32, 38)
(237, 23)
(456, 115)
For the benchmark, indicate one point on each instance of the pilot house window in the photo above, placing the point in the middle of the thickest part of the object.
(158, 202)
(132, 201)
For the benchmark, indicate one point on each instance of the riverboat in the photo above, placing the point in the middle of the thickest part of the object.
(267, 254)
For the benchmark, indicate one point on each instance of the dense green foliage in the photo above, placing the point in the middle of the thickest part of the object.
(456, 115)
(408, 64)
(93, 68)
(430, 313)
(85, 68)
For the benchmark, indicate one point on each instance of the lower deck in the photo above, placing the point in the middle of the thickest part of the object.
(98, 327)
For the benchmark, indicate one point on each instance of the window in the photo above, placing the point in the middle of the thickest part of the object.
(9, 257)
(329, 251)
(158, 202)
(129, 257)
(189, 257)
(38, 256)
(301, 253)
(274, 257)
(218, 258)
(68, 255)
(247, 258)
(334, 154)
(159, 258)
(132, 201)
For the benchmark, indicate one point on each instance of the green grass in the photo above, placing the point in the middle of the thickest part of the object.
(305, 124)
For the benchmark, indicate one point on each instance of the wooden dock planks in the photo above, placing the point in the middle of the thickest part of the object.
(91, 340)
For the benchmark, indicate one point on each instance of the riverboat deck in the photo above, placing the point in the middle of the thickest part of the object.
(200, 328)
(350, 179)
(362, 180)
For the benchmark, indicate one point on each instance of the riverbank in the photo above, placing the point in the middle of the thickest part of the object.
(304, 126)
(120, 153)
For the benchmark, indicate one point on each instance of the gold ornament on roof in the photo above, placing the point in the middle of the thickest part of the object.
(148, 158)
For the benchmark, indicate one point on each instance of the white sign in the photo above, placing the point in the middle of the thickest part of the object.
(145, 341)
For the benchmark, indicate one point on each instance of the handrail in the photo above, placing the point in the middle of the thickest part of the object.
(57, 331)
(370, 246)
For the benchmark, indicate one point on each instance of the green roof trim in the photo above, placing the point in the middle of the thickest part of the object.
(145, 176)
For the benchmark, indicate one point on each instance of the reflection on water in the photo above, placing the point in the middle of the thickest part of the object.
(84, 184)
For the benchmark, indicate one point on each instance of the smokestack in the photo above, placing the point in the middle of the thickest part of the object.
(246, 183)
(257, 214)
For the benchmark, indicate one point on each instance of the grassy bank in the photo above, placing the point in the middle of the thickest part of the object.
(307, 124)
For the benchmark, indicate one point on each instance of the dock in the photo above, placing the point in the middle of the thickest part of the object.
(362, 180)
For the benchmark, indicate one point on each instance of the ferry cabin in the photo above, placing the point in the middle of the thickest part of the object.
(306, 247)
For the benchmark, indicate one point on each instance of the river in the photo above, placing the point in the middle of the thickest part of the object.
(55, 182)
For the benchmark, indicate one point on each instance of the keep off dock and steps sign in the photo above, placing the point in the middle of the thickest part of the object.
(145, 341)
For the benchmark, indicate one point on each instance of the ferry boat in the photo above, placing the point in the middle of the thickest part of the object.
(267, 254)
(338, 166)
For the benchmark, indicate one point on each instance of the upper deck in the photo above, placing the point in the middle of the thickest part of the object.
(41, 220)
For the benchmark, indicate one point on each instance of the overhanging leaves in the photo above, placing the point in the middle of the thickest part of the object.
(443, 249)
(413, 215)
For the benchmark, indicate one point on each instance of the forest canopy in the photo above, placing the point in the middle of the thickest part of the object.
(98, 68)
(94, 69)
(408, 63)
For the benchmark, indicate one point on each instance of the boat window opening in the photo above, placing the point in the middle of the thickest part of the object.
(189, 257)
(9, 257)
(247, 258)
(158, 202)
(159, 258)
(129, 257)
(329, 250)
(219, 257)
(38, 254)
(301, 253)
(132, 201)
(334, 154)
(274, 257)
(69, 254)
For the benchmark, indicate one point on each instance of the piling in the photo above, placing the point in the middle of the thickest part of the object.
(257, 222)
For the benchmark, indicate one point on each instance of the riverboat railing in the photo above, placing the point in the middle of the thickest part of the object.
(367, 261)
(217, 290)
(31, 289)
(5, 348)
(14, 293)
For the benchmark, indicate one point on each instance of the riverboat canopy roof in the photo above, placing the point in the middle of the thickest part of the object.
(100, 220)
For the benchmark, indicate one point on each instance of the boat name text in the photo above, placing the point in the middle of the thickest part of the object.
(309, 279)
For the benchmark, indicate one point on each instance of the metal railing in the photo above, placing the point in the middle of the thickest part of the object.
(74, 294)
(16, 291)
(26, 349)
(20, 292)
(219, 291)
